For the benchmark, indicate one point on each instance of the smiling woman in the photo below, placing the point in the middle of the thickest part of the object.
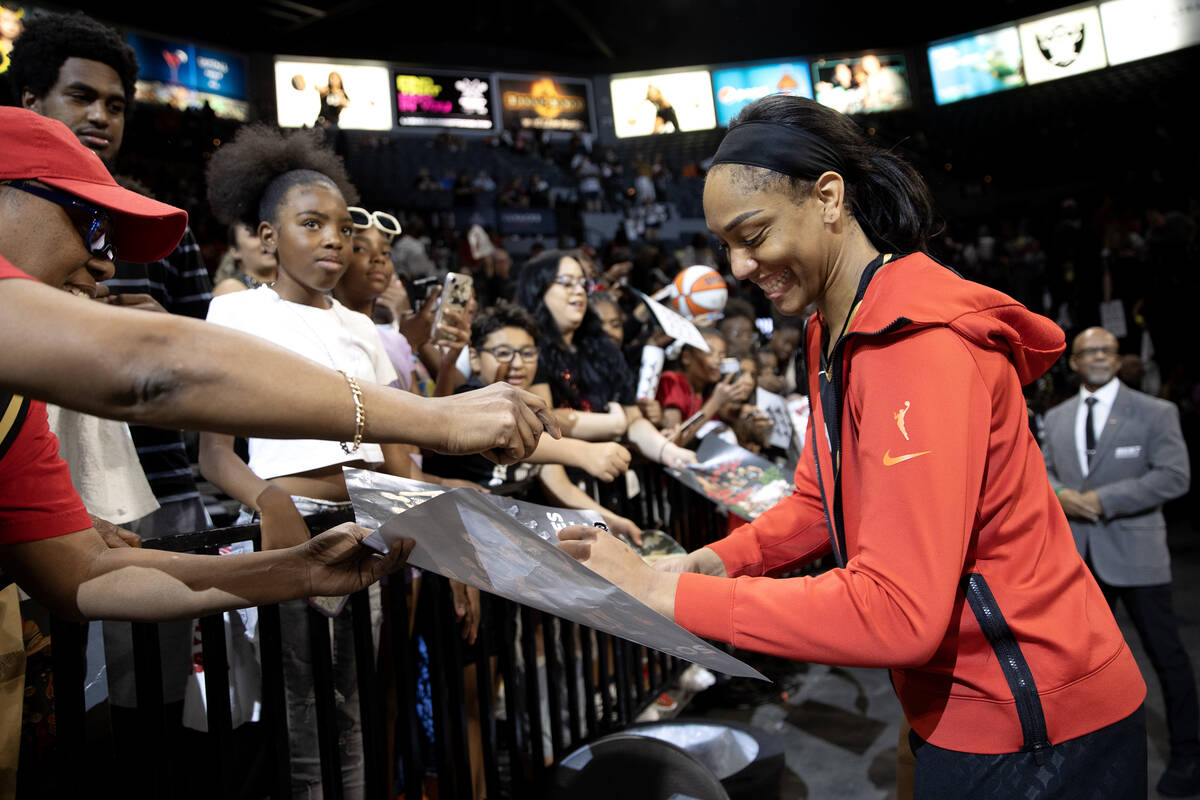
(956, 568)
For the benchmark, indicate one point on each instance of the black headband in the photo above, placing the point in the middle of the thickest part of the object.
(780, 148)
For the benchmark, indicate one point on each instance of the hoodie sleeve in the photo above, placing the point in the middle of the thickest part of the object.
(917, 491)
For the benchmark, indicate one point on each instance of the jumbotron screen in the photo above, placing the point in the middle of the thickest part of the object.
(868, 83)
(1063, 44)
(444, 100)
(321, 93)
(737, 87)
(545, 102)
(1136, 29)
(667, 102)
(975, 65)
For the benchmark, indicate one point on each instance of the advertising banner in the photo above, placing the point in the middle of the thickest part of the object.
(183, 64)
(1136, 29)
(444, 100)
(669, 102)
(527, 221)
(737, 87)
(545, 103)
(975, 65)
(1063, 44)
(868, 83)
(353, 96)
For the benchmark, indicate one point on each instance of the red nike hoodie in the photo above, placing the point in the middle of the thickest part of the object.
(957, 569)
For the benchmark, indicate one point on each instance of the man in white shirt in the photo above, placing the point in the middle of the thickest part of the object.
(1114, 456)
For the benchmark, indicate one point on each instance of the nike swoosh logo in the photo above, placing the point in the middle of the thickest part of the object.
(888, 461)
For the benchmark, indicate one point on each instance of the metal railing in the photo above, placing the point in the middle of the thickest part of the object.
(540, 685)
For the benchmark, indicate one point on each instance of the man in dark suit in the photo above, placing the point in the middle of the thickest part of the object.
(1114, 456)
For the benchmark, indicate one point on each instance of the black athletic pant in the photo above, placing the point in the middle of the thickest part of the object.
(1108, 764)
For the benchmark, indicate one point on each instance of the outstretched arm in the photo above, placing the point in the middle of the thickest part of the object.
(78, 576)
(166, 370)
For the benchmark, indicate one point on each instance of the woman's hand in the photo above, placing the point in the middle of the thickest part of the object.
(466, 609)
(651, 410)
(622, 526)
(617, 420)
(336, 562)
(605, 461)
(607, 556)
(418, 327)
(734, 389)
(281, 524)
(452, 335)
(672, 455)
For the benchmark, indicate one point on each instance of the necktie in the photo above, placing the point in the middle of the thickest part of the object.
(1089, 430)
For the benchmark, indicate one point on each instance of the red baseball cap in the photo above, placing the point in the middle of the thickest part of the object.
(43, 149)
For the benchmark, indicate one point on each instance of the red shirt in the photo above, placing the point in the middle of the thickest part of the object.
(37, 500)
(674, 392)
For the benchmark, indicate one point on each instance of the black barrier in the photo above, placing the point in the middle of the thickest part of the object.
(529, 691)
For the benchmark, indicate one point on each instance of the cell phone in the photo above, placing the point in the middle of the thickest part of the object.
(420, 290)
(730, 366)
(456, 294)
(690, 421)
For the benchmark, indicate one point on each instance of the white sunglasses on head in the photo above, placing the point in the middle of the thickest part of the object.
(361, 218)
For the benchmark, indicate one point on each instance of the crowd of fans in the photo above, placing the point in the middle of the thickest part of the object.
(557, 314)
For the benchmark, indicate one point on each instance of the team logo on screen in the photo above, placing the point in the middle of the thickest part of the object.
(545, 99)
(1062, 44)
(471, 91)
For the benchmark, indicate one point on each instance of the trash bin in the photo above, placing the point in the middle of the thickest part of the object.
(747, 760)
(631, 767)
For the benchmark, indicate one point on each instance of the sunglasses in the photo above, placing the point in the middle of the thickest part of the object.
(380, 219)
(93, 224)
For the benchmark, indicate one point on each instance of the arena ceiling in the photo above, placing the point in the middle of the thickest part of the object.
(597, 37)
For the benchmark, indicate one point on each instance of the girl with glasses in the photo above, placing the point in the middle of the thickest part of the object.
(581, 369)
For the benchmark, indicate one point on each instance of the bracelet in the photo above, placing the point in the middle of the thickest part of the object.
(360, 415)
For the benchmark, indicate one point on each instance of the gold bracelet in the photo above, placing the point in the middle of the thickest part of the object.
(360, 415)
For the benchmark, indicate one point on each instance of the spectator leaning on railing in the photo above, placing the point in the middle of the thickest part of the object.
(126, 364)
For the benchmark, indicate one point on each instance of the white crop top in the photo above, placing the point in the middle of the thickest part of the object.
(335, 337)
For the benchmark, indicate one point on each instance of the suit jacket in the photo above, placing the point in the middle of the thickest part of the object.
(1141, 462)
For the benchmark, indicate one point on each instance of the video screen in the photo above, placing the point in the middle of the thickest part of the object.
(444, 100)
(975, 65)
(868, 83)
(1136, 29)
(670, 102)
(545, 103)
(1061, 45)
(12, 23)
(737, 87)
(185, 76)
(327, 93)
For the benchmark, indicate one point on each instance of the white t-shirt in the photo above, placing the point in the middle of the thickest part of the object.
(335, 337)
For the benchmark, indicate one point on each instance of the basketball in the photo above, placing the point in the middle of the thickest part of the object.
(699, 290)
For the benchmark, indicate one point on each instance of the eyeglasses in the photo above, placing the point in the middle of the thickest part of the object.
(567, 282)
(93, 224)
(380, 219)
(1095, 351)
(505, 354)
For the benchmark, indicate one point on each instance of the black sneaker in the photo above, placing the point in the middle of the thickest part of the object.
(1182, 778)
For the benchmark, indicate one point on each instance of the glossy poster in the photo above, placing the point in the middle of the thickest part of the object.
(733, 478)
(472, 538)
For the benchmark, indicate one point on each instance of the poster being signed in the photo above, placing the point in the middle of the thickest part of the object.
(734, 478)
(472, 538)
